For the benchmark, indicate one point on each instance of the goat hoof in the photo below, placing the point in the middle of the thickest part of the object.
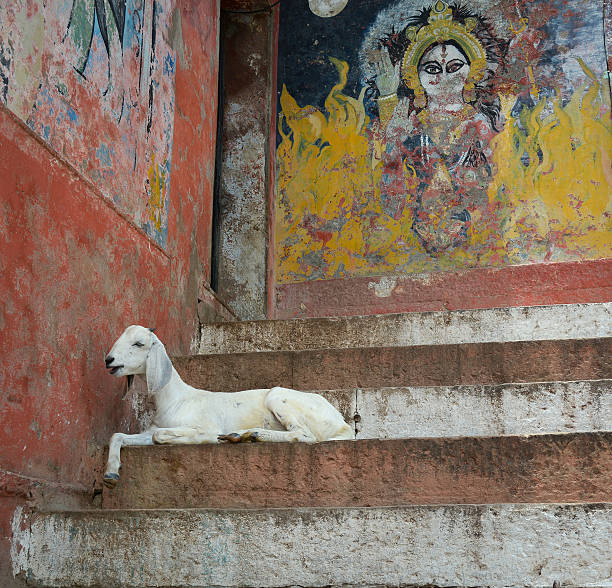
(232, 438)
(110, 480)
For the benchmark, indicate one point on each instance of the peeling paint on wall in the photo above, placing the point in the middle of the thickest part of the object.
(95, 79)
(76, 271)
(447, 137)
(384, 287)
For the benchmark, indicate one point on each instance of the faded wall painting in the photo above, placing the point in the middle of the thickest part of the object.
(416, 137)
(95, 79)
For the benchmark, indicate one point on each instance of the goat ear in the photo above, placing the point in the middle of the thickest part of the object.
(152, 329)
(130, 380)
(159, 367)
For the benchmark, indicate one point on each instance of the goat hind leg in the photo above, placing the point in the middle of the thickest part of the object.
(287, 416)
(269, 435)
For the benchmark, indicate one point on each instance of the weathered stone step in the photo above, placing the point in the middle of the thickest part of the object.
(531, 323)
(570, 467)
(416, 365)
(505, 545)
(456, 411)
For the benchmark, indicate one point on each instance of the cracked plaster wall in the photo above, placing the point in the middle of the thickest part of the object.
(79, 262)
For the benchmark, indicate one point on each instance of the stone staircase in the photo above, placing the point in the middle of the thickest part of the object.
(483, 457)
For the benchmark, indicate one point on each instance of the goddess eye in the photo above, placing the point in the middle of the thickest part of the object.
(432, 68)
(138, 344)
(454, 65)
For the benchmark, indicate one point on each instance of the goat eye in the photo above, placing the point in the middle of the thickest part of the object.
(138, 344)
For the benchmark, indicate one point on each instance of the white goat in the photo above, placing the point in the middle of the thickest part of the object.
(186, 415)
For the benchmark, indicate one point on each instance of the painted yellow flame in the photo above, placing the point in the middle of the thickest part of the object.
(554, 177)
(550, 196)
(157, 193)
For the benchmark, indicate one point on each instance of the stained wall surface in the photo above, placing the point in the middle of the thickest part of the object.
(430, 156)
(107, 126)
(95, 80)
(243, 190)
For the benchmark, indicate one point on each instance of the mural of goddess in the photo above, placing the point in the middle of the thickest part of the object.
(438, 113)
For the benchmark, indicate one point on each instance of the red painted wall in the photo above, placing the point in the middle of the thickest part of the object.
(75, 272)
(524, 285)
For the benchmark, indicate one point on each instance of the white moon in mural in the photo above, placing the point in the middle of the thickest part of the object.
(327, 8)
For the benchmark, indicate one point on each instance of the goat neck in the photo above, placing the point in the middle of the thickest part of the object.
(174, 392)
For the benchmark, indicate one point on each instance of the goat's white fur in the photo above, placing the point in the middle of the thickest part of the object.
(186, 415)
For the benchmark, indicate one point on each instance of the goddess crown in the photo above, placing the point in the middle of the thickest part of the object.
(441, 28)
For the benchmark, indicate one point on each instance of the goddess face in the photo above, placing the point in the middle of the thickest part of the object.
(443, 70)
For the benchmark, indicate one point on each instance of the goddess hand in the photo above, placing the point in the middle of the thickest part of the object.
(387, 74)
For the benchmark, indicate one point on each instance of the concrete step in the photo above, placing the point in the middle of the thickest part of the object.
(502, 545)
(414, 365)
(569, 467)
(535, 323)
(456, 411)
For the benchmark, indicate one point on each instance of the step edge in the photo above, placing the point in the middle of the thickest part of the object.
(323, 509)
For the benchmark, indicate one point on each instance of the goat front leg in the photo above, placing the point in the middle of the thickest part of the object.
(118, 440)
(184, 436)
